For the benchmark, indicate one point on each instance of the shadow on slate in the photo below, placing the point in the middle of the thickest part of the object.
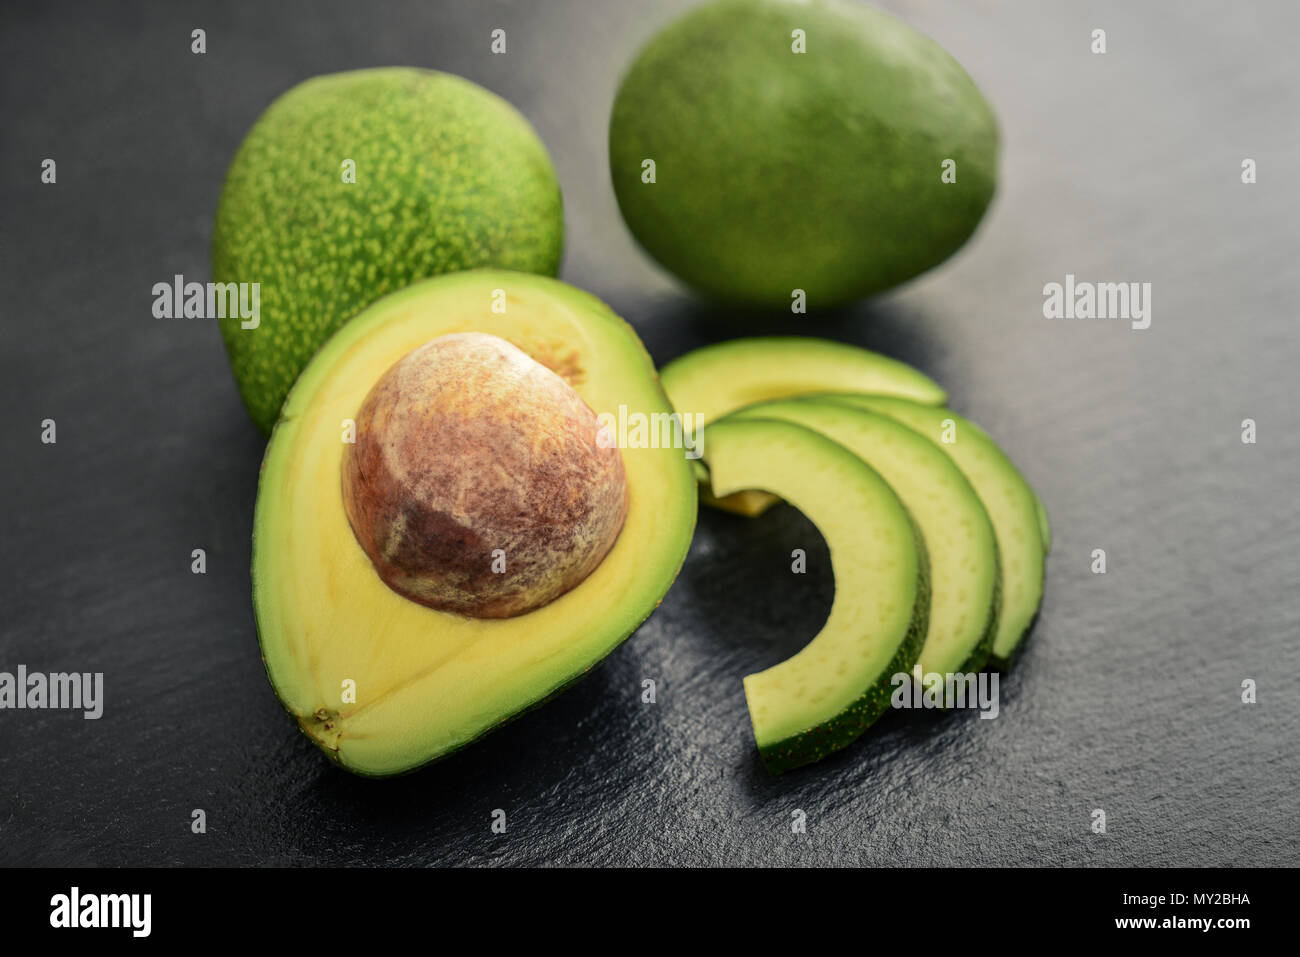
(675, 325)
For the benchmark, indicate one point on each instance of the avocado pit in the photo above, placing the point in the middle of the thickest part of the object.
(480, 482)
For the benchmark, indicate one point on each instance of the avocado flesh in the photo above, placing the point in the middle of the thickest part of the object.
(448, 176)
(958, 535)
(748, 503)
(429, 682)
(713, 380)
(1008, 499)
(825, 696)
(1044, 523)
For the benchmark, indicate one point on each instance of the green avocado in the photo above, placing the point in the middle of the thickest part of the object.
(957, 532)
(1018, 517)
(824, 697)
(716, 379)
(353, 185)
(378, 678)
(711, 381)
(759, 147)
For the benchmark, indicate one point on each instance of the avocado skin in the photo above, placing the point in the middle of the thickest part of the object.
(1007, 662)
(448, 177)
(818, 171)
(846, 727)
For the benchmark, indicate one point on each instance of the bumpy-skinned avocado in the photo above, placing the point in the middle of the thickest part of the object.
(353, 185)
(758, 147)
(450, 526)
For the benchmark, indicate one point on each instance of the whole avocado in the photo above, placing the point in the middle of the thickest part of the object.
(353, 185)
(799, 145)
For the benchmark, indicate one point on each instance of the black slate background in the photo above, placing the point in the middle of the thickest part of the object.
(1123, 167)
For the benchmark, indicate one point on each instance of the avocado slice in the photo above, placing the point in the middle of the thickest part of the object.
(1044, 523)
(713, 380)
(428, 681)
(1017, 514)
(957, 532)
(825, 696)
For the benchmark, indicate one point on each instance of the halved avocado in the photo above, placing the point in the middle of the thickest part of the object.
(825, 696)
(957, 533)
(427, 681)
(713, 380)
(1017, 515)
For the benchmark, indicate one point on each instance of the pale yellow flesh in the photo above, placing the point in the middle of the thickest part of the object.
(957, 532)
(428, 681)
(749, 503)
(1008, 499)
(873, 555)
(717, 379)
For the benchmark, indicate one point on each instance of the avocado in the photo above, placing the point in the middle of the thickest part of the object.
(716, 379)
(818, 146)
(1044, 523)
(448, 530)
(713, 380)
(826, 695)
(1016, 512)
(353, 185)
(958, 536)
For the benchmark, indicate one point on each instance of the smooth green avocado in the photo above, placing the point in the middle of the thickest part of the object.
(375, 676)
(353, 185)
(758, 147)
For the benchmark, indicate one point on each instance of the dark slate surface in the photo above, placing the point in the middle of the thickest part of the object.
(1123, 167)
